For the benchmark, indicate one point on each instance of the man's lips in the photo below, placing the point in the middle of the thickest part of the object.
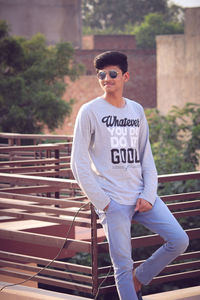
(108, 84)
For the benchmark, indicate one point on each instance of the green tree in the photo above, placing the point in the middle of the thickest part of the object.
(32, 82)
(114, 15)
(100, 14)
(154, 24)
(175, 140)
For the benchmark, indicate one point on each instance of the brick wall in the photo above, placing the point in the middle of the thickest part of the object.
(111, 42)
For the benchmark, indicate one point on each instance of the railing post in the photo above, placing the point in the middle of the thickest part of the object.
(57, 156)
(94, 251)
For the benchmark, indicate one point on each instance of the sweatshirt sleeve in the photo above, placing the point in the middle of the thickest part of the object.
(149, 171)
(81, 161)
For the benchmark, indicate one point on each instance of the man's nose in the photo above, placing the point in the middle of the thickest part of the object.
(107, 76)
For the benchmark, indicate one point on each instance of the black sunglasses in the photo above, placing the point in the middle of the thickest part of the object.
(102, 74)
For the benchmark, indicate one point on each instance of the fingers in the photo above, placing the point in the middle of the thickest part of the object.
(138, 204)
(143, 205)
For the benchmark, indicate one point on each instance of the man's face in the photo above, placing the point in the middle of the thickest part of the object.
(111, 79)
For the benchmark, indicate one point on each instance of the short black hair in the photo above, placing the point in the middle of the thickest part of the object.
(111, 58)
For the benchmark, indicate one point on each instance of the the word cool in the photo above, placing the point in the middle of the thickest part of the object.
(124, 155)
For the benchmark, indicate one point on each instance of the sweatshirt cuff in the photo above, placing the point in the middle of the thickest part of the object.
(101, 204)
(150, 199)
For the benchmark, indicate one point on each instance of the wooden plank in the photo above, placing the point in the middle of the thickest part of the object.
(19, 204)
(176, 276)
(38, 147)
(76, 201)
(49, 281)
(187, 213)
(179, 176)
(184, 256)
(9, 135)
(57, 220)
(64, 159)
(157, 280)
(24, 180)
(50, 272)
(183, 196)
(187, 204)
(37, 168)
(43, 261)
(30, 189)
(150, 240)
(45, 240)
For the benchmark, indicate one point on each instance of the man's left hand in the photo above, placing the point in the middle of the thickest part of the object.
(142, 205)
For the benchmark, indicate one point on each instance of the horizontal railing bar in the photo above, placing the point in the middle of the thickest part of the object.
(64, 202)
(176, 276)
(63, 172)
(49, 281)
(57, 220)
(188, 213)
(168, 269)
(179, 176)
(64, 159)
(37, 168)
(34, 147)
(187, 204)
(184, 256)
(46, 240)
(24, 179)
(31, 189)
(47, 271)
(44, 261)
(38, 208)
(183, 196)
(34, 136)
(149, 240)
(156, 280)
(181, 266)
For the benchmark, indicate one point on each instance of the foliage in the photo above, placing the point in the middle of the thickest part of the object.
(101, 15)
(154, 24)
(32, 82)
(175, 141)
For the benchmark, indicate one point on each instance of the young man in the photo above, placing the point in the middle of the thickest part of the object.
(113, 164)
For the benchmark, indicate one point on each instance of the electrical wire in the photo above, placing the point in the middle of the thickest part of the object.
(102, 283)
(57, 255)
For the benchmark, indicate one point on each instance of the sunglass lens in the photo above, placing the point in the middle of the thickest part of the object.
(113, 74)
(102, 75)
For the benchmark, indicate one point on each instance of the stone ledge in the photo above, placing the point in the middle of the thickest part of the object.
(23, 293)
(192, 293)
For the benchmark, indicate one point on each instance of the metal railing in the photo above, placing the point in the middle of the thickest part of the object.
(37, 213)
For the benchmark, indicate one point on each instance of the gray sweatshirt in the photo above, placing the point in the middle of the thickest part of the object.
(111, 154)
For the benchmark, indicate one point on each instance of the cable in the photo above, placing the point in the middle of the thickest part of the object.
(36, 274)
(95, 298)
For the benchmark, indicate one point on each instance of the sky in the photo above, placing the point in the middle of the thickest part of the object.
(187, 3)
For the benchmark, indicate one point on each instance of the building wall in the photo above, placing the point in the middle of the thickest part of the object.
(178, 65)
(56, 19)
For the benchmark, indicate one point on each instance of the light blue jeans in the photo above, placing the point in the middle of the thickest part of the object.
(117, 226)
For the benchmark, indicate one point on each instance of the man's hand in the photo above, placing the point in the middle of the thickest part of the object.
(142, 205)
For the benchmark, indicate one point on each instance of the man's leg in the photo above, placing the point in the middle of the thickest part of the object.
(117, 224)
(161, 221)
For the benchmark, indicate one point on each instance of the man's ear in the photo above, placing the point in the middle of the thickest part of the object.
(126, 76)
